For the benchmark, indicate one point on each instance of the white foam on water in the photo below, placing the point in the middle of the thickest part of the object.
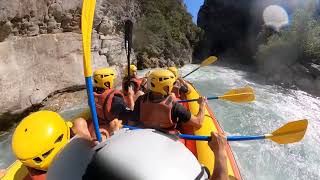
(274, 106)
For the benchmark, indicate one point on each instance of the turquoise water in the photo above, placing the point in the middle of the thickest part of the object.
(274, 106)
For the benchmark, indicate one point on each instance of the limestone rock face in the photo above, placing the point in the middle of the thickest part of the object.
(31, 68)
(41, 51)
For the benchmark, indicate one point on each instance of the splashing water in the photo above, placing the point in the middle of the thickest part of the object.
(274, 106)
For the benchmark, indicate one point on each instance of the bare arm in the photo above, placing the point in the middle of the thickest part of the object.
(196, 121)
(217, 145)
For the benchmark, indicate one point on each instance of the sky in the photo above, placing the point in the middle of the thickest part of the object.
(193, 8)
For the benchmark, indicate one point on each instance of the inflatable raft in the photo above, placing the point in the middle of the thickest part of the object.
(203, 153)
(199, 149)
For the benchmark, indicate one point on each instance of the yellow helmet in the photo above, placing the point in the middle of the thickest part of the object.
(174, 70)
(161, 81)
(104, 78)
(39, 138)
(133, 69)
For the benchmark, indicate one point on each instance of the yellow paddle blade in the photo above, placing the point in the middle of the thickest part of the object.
(208, 61)
(88, 7)
(239, 95)
(290, 133)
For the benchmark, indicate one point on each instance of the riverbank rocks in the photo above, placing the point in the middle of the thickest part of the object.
(32, 68)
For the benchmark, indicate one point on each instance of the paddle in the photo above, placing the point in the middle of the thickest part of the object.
(87, 15)
(289, 133)
(206, 62)
(128, 42)
(128, 25)
(238, 95)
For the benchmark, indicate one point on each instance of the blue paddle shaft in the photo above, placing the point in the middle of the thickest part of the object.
(208, 138)
(191, 100)
(93, 107)
(245, 138)
(229, 138)
(193, 137)
(130, 127)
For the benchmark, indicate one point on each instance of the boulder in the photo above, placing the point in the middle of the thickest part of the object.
(314, 69)
(32, 68)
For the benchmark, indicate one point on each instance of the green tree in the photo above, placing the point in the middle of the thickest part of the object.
(165, 28)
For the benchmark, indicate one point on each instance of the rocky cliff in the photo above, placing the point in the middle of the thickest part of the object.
(41, 49)
(236, 30)
(233, 27)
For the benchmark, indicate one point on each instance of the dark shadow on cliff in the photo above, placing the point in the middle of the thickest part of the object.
(9, 119)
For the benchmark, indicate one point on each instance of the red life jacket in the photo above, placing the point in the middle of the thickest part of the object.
(157, 114)
(104, 102)
(137, 83)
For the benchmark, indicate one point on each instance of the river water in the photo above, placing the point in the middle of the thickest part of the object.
(274, 106)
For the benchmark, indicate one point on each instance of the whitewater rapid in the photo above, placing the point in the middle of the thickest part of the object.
(274, 106)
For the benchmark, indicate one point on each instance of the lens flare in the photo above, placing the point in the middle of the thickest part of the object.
(275, 16)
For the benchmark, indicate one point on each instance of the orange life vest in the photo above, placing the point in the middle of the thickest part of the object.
(137, 83)
(157, 114)
(104, 102)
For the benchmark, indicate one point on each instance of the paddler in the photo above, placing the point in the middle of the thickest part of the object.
(180, 86)
(109, 101)
(40, 136)
(158, 108)
(134, 82)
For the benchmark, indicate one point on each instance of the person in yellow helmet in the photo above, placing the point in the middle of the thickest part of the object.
(158, 108)
(40, 136)
(180, 87)
(110, 103)
(134, 82)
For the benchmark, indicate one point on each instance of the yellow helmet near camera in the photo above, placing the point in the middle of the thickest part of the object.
(174, 70)
(39, 138)
(104, 78)
(161, 81)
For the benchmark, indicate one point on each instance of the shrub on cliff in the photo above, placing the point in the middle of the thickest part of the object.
(300, 42)
(164, 31)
